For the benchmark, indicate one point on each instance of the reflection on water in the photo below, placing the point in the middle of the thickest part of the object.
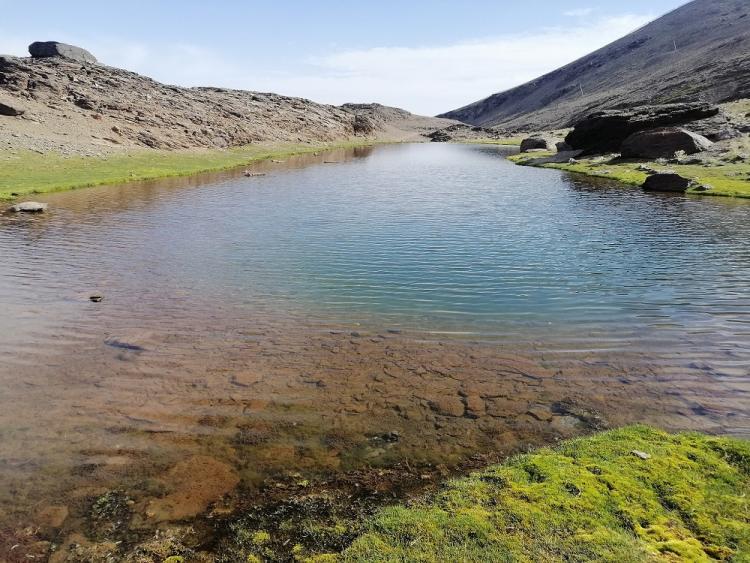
(253, 327)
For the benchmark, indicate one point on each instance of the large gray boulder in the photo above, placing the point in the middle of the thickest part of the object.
(663, 142)
(666, 182)
(45, 49)
(604, 132)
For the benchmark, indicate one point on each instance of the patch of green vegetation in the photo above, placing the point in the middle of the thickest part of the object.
(633, 494)
(27, 172)
(724, 178)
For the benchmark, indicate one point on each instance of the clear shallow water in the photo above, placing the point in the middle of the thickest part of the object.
(434, 238)
(249, 325)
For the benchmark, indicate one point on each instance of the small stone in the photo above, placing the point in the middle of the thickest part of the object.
(640, 454)
(392, 436)
(10, 111)
(29, 207)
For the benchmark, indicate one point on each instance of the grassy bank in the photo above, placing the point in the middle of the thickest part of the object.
(26, 172)
(725, 178)
(591, 499)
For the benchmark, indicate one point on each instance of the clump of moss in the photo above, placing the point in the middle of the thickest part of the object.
(590, 499)
(110, 515)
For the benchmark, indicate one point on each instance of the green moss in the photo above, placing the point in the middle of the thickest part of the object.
(590, 499)
(261, 538)
(28, 172)
(175, 559)
(725, 179)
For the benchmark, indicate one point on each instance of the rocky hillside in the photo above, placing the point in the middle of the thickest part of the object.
(701, 51)
(60, 101)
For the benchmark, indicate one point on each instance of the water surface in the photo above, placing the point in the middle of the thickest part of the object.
(285, 323)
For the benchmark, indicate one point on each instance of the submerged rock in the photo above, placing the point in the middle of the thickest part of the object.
(666, 182)
(663, 142)
(194, 484)
(46, 49)
(29, 207)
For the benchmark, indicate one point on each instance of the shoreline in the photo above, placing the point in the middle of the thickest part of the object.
(725, 180)
(27, 173)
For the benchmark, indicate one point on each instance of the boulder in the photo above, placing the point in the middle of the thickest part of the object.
(604, 132)
(532, 143)
(562, 146)
(663, 142)
(29, 207)
(10, 111)
(666, 182)
(45, 49)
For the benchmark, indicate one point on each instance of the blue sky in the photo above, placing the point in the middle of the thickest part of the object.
(425, 56)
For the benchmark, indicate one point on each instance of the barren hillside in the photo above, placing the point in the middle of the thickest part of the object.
(73, 107)
(701, 51)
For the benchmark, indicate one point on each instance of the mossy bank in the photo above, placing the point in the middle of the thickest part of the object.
(730, 179)
(24, 173)
(633, 494)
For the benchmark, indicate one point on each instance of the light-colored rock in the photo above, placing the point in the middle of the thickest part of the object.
(29, 207)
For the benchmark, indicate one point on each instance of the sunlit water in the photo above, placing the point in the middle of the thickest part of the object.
(233, 301)
(428, 237)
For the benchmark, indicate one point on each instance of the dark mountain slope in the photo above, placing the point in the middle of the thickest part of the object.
(711, 62)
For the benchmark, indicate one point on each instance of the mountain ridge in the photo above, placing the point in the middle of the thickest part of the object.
(699, 51)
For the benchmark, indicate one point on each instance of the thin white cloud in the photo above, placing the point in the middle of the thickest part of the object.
(579, 12)
(427, 80)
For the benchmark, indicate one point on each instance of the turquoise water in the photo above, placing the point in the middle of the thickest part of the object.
(433, 238)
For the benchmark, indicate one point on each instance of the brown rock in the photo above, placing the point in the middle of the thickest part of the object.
(52, 516)
(194, 484)
(448, 406)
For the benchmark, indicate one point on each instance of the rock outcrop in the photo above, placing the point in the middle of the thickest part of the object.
(92, 109)
(605, 131)
(462, 132)
(663, 142)
(44, 49)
